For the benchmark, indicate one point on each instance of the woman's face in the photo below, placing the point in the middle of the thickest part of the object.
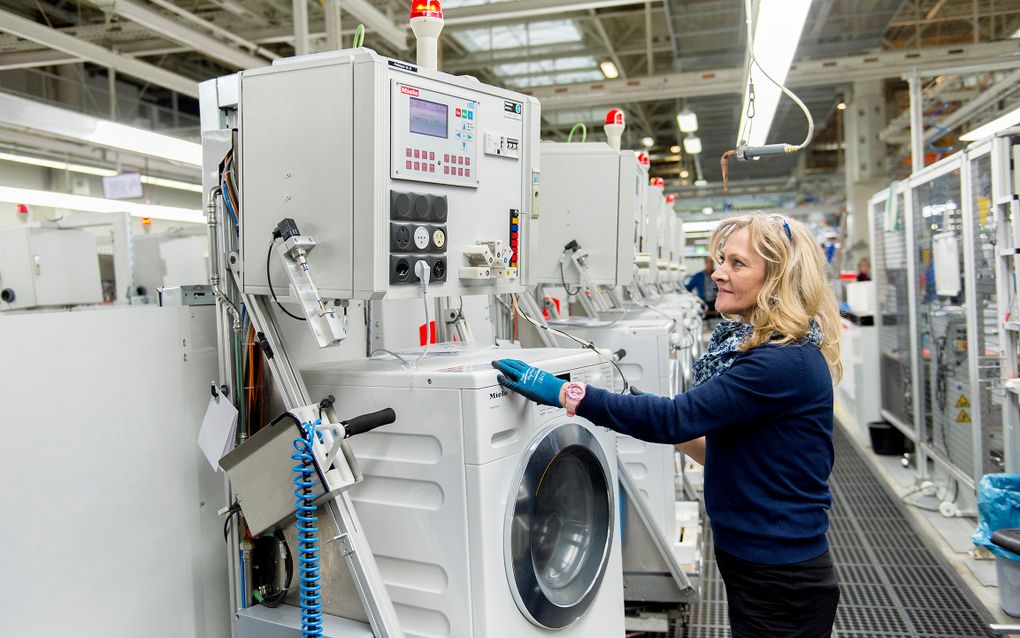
(739, 276)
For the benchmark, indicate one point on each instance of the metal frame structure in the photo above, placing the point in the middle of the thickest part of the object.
(985, 391)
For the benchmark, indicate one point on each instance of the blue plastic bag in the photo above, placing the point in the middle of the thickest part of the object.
(998, 508)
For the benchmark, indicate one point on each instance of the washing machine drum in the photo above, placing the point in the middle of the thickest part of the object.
(559, 526)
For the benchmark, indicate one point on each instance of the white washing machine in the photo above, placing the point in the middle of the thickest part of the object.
(488, 515)
(648, 366)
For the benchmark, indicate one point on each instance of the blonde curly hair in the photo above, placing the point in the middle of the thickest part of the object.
(796, 288)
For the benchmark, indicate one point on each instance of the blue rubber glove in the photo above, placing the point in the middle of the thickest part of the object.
(531, 383)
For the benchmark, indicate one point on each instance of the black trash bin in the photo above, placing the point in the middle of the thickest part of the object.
(886, 439)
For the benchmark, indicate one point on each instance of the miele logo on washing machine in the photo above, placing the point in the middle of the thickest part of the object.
(409, 90)
(498, 395)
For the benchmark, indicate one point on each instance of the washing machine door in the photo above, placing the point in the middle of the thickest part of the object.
(560, 522)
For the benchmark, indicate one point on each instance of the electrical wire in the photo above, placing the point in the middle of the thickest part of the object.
(786, 91)
(359, 36)
(563, 280)
(584, 343)
(428, 332)
(269, 280)
(573, 129)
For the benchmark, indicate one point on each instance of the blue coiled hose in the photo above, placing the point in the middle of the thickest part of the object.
(308, 534)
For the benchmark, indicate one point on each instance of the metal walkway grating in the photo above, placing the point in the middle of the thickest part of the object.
(893, 586)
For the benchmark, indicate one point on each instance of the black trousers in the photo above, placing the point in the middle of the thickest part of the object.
(773, 601)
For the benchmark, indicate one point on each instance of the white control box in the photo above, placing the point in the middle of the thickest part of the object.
(42, 266)
(649, 239)
(592, 194)
(384, 164)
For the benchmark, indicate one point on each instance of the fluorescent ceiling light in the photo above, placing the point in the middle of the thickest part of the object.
(62, 166)
(700, 182)
(776, 35)
(684, 174)
(687, 120)
(707, 210)
(171, 183)
(841, 106)
(1005, 121)
(648, 142)
(692, 145)
(98, 171)
(674, 149)
(98, 205)
(609, 70)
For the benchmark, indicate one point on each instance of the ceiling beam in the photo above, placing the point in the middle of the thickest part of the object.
(31, 30)
(519, 9)
(173, 30)
(376, 22)
(824, 72)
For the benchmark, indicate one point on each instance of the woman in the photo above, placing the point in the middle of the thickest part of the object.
(759, 417)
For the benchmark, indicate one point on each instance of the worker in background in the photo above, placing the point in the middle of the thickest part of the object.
(864, 270)
(701, 283)
(759, 417)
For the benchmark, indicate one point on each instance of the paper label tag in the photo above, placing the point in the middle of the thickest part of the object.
(219, 430)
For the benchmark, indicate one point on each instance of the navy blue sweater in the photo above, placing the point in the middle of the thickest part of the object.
(767, 423)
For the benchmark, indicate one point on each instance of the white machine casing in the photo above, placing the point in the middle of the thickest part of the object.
(590, 192)
(353, 146)
(441, 482)
(44, 266)
(648, 256)
(648, 366)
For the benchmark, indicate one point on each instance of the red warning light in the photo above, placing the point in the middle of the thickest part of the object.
(643, 159)
(658, 181)
(670, 199)
(615, 116)
(22, 209)
(146, 221)
(426, 9)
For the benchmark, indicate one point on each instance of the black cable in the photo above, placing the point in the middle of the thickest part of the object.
(269, 279)
(563, 280)
(234, 509)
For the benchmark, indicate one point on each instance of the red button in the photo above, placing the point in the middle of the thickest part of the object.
(446, 157)
(432, 168)
(460, 159)
(408, 164)
(417, 166)
(446, 170)
(458, 112)
(417, 154)
(408, 152)
(513, 235)
(432, 156)
(467, 161)
(460, 172)
(513, 242)
(467, 172)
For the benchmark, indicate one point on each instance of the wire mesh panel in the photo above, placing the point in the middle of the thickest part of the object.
(986, 341)
(942, 336)
(892, 288)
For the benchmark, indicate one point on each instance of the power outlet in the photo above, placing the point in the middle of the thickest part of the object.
(417, 238)
(402, 268)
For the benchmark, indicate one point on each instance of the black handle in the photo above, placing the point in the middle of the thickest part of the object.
(620, 354)
(370, 421)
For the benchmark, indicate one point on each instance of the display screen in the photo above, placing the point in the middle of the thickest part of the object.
(429, 118)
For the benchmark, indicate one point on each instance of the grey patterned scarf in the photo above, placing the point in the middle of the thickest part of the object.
(722, 349)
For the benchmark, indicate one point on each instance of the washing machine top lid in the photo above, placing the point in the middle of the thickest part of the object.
(463, 369)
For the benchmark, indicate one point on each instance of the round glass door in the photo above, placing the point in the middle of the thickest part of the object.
(559, 526)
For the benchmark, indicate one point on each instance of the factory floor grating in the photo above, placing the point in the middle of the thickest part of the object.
(892, 585)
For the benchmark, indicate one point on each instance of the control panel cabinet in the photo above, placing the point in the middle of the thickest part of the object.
(592, 194)
(385, 164)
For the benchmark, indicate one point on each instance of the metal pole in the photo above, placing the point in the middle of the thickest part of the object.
(300, 27)
(334, 39)
(916, 123)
